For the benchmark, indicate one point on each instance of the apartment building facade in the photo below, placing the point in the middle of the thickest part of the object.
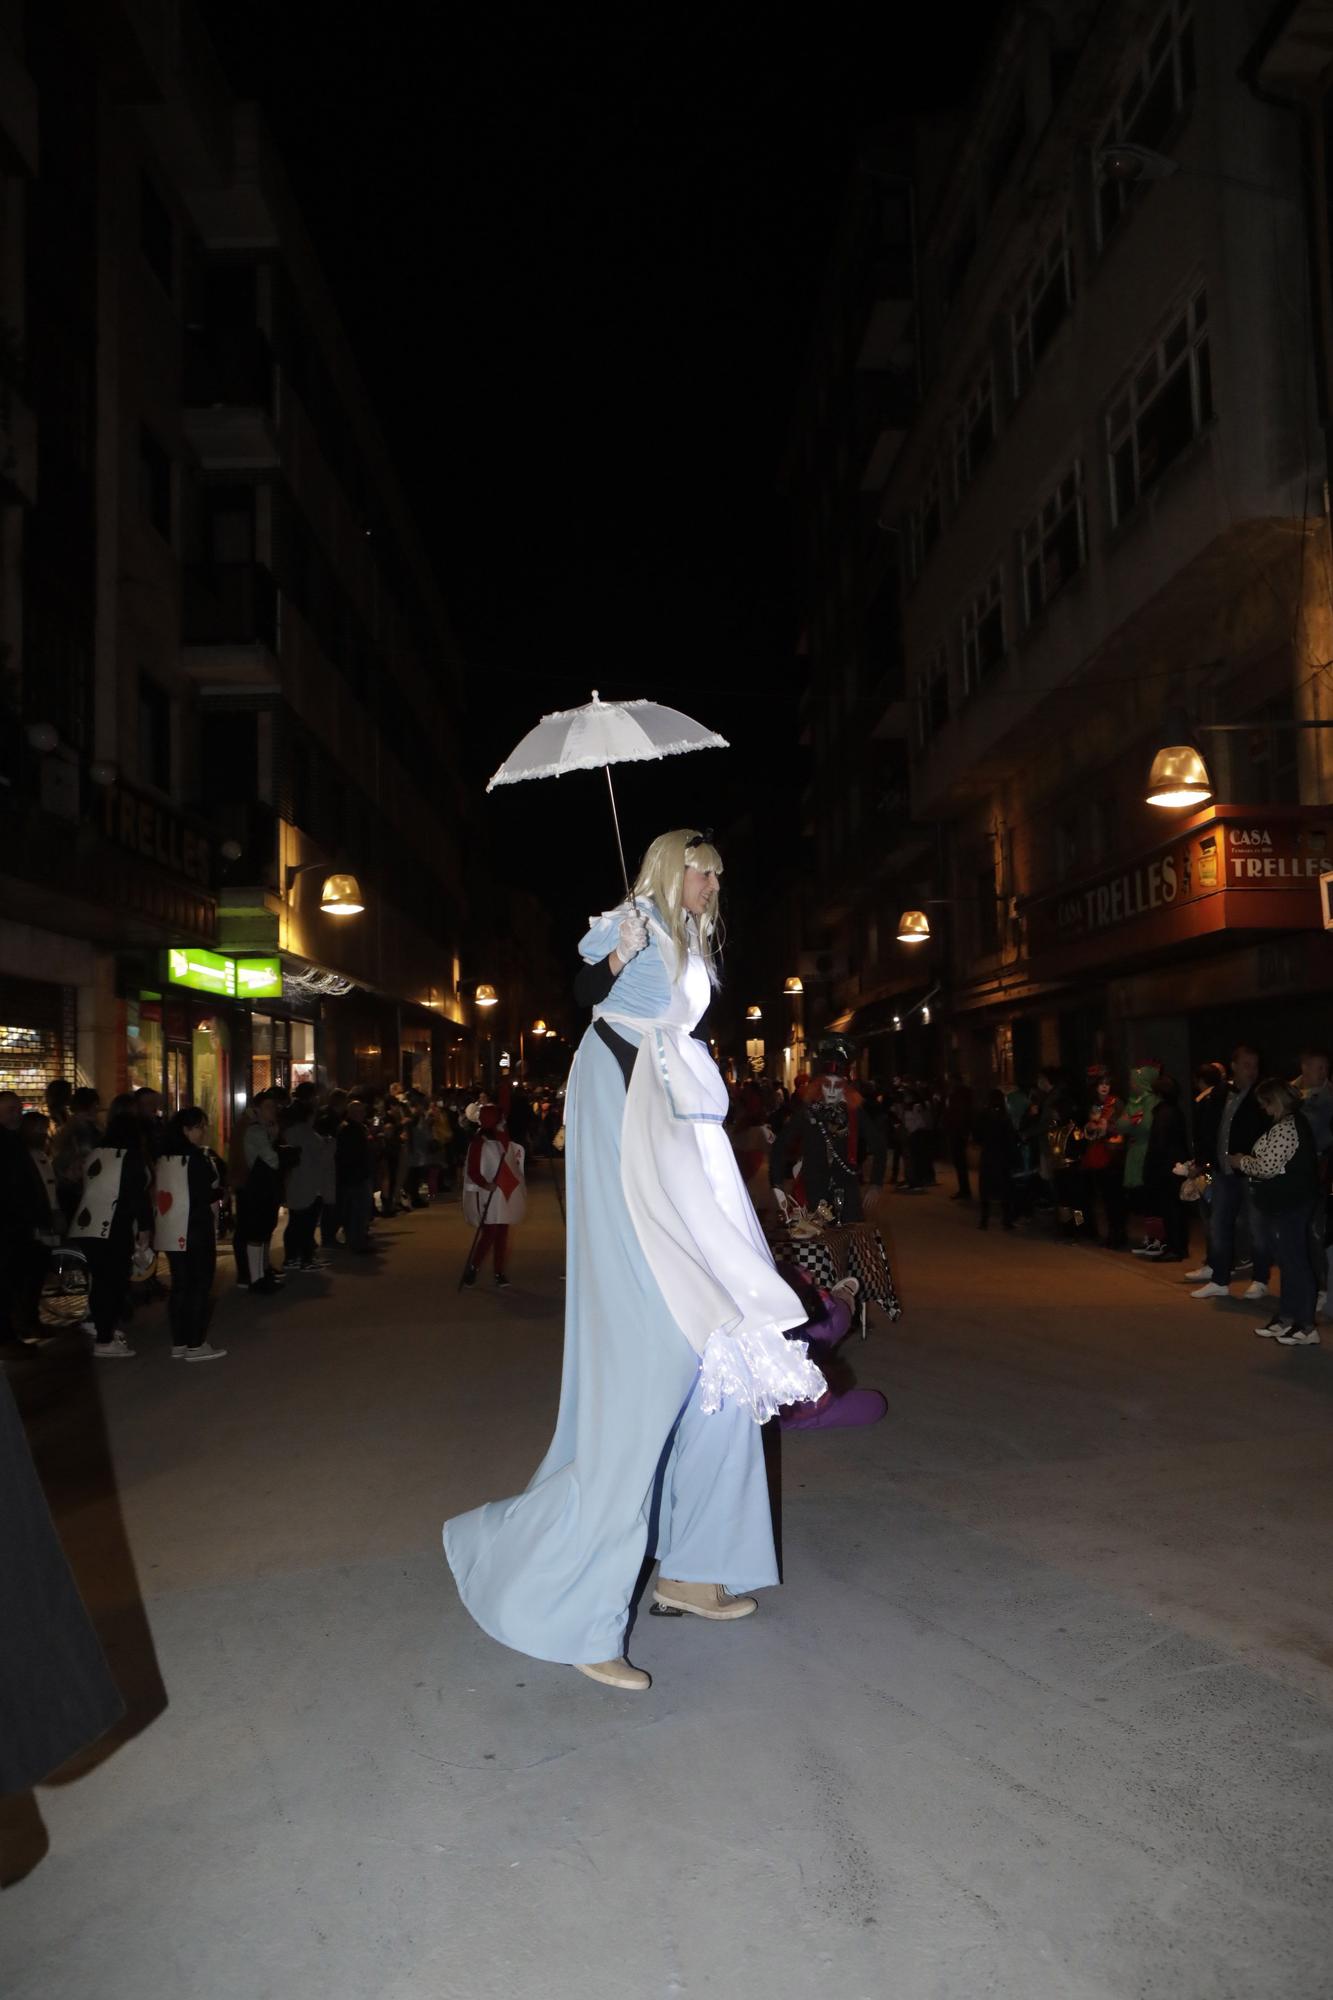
(1109, 518)
(237, 679)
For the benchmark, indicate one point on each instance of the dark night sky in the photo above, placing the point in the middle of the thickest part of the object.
(578, 253)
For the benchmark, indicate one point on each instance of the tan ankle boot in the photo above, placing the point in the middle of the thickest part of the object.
(705, 1600)
(618, 1674)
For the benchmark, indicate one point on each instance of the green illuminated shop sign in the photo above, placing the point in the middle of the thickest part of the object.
(202, 971)
(259, 979)
(224, 978)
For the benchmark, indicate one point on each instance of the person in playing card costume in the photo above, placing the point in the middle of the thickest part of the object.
(113, 1212)
(674, 1317)
(187, 1188)
(494, 1193)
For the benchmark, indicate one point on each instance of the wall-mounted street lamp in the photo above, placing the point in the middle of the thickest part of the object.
(1137, 166)
(1179, 777)
(754, 1013)
(340, 895)
(793, 985)
(486, 996)
(914, 925)
(539, 1027)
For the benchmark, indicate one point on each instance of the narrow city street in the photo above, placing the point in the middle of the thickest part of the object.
(1044, 1710)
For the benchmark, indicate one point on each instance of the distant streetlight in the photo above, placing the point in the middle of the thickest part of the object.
(486, 996)
(754, 1013)
(913, 927)
(793, 985)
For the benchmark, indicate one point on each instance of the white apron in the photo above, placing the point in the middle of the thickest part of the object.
(694, 1220)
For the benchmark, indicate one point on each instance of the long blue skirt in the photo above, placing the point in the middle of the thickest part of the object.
(551, 1572)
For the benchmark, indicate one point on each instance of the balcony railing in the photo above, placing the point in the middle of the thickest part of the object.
(231, 604)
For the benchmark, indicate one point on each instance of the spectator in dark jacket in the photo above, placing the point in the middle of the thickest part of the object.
(355, 1178)
(187, 1231)
(1000, 1152)
(1241, 1122)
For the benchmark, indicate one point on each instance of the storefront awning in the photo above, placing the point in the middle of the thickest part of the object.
(877, 1017)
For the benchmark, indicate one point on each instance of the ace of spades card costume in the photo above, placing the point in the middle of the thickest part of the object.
(674, 1324)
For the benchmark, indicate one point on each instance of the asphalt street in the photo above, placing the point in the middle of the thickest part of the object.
(1043, 1711)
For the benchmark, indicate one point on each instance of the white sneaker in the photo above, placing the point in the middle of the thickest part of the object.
(1212, 1291)
(1148, 1250)
(118, 1349)
(1255, 1290)
(1275, 1329)
(1299, 1336)
(1193, 1277)
(205, 1352)
(179, 1353)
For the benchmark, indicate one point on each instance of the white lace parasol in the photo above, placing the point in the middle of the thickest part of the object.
(600, 734)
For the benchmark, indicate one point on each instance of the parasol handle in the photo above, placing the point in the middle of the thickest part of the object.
(624, 872)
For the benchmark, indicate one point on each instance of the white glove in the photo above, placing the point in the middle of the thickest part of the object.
(633, 936)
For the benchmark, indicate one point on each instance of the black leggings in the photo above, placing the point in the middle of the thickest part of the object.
(191, 1300)
(108, 1282)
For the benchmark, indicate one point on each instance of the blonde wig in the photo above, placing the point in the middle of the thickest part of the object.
(661, 879)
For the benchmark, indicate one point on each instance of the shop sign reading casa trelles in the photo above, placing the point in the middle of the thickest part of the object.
(1224, 855)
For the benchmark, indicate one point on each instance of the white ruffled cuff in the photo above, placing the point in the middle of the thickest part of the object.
(760, 1369)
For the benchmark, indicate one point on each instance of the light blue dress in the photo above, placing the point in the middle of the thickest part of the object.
(551, 1572)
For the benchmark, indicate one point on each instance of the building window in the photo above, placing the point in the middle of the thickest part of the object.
(1043, 308)
(988, 912)
(157, 234)
(155, 482)
(983, 633)
(957, 259)
(974, 431)
(1066, 848)
(1155, 96)
(925, 523)
(1166, 403)
(1053, 545)
(932, 698)
(1007, 147)
(154, 734)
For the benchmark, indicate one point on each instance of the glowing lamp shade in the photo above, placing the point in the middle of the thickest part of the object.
(793, 985)
(539, 1027)
(487, 996)
(1179, 777)
(341, 896)
(754, 1013)
(550, 1034)
(913, 927)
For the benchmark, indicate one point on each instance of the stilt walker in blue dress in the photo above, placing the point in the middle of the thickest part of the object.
(674, 1323)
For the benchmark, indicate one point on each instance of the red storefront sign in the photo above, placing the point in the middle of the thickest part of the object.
(1229, 868)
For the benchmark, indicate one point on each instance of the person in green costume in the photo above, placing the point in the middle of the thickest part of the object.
(1134, 1125)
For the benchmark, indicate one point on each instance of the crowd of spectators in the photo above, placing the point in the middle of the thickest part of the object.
(93, 1196)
